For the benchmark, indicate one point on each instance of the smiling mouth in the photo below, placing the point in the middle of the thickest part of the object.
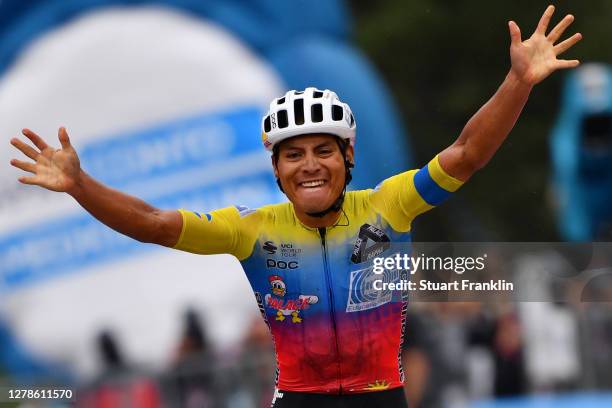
(312, 183)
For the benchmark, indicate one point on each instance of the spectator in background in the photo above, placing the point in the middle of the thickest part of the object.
(416, 358)
(110, 354)
(258, 363)
(193, 341)
(119, 385)
(508, 351)
(435, 354)
(191, 377)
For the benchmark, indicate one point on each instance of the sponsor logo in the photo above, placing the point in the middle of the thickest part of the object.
(289, 304)
(286, 307)
(362, 295)
(370, 243)
(264, 139)
(208, 216)
(260, 304)
(269, 247)
(400, 366)
(274, 264)
(273, 120)
(286, 250)
(377, 386)
(277, 395)
(289, 251)
(278, 285)
(243, 210)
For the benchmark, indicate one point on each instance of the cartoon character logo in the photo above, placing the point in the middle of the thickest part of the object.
(278, 286)
(287, 306)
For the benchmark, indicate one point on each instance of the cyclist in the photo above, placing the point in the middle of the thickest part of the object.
(309, 260)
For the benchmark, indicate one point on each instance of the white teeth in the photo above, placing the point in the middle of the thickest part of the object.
(314, 183)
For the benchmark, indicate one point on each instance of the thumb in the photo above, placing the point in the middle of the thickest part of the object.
(515, 32)
(62, 135)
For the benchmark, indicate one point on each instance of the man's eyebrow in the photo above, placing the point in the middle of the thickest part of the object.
(292, 147)
(326, 143)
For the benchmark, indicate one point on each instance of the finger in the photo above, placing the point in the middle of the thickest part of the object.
(62, 135)
(564, 64)
(37, 140)
(556, 32)
(545, 20)
(24, 148)
(32, 180)
(515, 32)
(25, 166)
(567, 44)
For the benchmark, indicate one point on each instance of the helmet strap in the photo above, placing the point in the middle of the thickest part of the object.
(335, 207)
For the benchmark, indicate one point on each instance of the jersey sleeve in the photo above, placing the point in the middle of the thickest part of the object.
(402, 197)
(223, 231)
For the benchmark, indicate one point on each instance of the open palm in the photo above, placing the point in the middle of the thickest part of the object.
(536, 58)
(53, 169)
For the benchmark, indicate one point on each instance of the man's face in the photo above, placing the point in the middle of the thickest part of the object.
(311, 171)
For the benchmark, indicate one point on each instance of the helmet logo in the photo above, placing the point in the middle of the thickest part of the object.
(273, 120)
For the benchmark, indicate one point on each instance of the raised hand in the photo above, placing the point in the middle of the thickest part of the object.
(536, 58)
(53, 169)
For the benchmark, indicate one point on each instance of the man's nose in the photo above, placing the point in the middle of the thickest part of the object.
(311, 163)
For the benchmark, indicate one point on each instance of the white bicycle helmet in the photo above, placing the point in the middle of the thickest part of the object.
(306, 112)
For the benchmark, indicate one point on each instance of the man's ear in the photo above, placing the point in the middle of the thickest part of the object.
(350, 154)
(274, 166)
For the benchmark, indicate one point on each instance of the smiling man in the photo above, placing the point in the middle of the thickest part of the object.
(309, 261)
(312, 172)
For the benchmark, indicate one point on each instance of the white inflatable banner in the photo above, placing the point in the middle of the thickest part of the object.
(159, 105)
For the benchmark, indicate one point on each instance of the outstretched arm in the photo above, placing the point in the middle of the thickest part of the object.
(60, 170)
(532, 61)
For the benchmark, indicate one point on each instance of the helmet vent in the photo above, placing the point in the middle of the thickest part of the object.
(337, 112)
(283, 121)
(267, 126)
(316, 113)
(281, 100)
(298, 110)
(352, 120)
(317, 94)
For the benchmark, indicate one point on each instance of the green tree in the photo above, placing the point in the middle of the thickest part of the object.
(442, 61)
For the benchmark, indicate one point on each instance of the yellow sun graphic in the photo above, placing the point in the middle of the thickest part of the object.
(378, 385)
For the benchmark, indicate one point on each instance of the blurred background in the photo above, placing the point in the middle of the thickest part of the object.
(163, 100)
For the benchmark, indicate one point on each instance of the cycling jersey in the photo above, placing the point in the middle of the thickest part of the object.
(333, 332)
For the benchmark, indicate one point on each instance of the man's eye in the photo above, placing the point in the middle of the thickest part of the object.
(292, 155)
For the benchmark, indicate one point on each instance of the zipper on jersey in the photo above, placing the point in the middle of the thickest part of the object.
(322, 233)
